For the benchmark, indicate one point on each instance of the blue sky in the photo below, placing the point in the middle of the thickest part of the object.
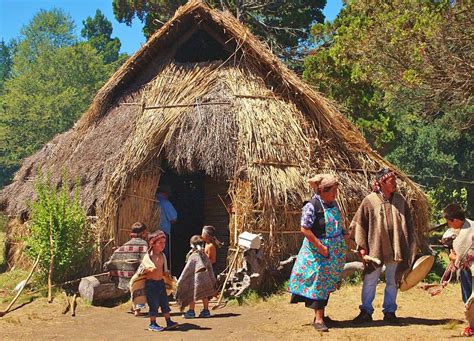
(14, 14)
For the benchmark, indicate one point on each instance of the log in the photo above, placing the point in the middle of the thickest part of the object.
(100, 289)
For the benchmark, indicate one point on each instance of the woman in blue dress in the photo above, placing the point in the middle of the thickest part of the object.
(317, 270)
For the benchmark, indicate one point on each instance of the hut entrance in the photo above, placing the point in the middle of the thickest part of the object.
(196, 198)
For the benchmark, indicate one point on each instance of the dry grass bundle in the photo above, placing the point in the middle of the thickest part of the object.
(205, 137)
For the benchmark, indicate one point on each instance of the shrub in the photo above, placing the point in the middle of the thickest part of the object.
(58, 228)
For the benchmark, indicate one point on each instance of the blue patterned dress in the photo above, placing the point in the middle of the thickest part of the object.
(314, 277)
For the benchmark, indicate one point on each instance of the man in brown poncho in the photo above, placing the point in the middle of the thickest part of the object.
(383, 229)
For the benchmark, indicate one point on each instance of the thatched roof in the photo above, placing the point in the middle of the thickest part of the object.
(245, 117)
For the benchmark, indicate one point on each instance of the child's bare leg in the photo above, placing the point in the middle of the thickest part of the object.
(192, 305)
(205, 303)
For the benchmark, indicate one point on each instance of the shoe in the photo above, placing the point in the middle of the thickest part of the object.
(205, 313)
(320, 327)
(363, 317)
(468, 331)
(391, 318)
(154, 327)
(190, 314)
(171, 324)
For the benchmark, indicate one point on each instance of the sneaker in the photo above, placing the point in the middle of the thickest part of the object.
(391, 318)
(363, 317)
(190, 314)
(468, 331)
(205, 313)
(320, 327)
(171, 324)
(154, 327)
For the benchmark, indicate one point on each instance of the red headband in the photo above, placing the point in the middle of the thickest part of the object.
(376, 183)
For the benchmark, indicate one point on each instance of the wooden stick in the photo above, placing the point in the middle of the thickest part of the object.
(74, 305)
(221, 295)
(67, 306)
(140, 197)
(2, 313)
(276, 163)
(51, 262)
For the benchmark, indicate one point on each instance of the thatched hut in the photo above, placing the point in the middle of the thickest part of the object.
(206, 108)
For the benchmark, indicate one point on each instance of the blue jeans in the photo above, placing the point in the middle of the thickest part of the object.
(466, 284)
(156, 297)
(370, 284)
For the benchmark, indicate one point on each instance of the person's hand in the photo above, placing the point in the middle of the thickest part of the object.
(452, 256)
(323, 250)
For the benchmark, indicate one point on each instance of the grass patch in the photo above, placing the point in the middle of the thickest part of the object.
(10, 279)
(252, 297)
(451, 325)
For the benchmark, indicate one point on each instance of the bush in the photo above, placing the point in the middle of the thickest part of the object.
(58, 227)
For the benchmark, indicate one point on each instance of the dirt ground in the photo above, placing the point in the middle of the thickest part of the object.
(423, 317)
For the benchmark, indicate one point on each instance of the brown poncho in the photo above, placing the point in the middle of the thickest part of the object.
(370, 226)
(197, 280)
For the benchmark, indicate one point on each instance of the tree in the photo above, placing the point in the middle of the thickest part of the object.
(48, 96)
(284, 25)
(400, 70)
(424, 46)
(5, 63)
(98, 31)
(48, 30)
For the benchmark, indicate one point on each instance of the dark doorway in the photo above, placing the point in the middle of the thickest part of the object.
(188, 199)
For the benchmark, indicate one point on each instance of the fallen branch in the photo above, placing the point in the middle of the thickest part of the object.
(3, 313)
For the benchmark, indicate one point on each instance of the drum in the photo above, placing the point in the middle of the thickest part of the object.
(420, 269)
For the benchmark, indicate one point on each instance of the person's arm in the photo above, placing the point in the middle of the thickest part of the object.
(211, 252)
(359, 227)
(307, 220)
(323, 250)
(171, 213)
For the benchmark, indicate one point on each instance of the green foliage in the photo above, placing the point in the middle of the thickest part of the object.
(5, 63)
(353, 279)
(284, 25)
(53, 81)
(400, 72)
(58, 215)
(98, 31)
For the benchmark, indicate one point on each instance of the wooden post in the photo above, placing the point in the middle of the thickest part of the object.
(51, 262)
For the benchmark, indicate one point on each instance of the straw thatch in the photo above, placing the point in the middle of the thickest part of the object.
(246, 119)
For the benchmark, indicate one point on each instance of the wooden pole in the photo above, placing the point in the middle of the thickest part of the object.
(51, 262)
(2, 313)
(221, 295)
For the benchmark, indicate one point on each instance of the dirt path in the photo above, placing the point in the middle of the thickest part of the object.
(423, 317)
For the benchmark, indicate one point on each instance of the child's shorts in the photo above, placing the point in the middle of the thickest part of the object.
(156, 296)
